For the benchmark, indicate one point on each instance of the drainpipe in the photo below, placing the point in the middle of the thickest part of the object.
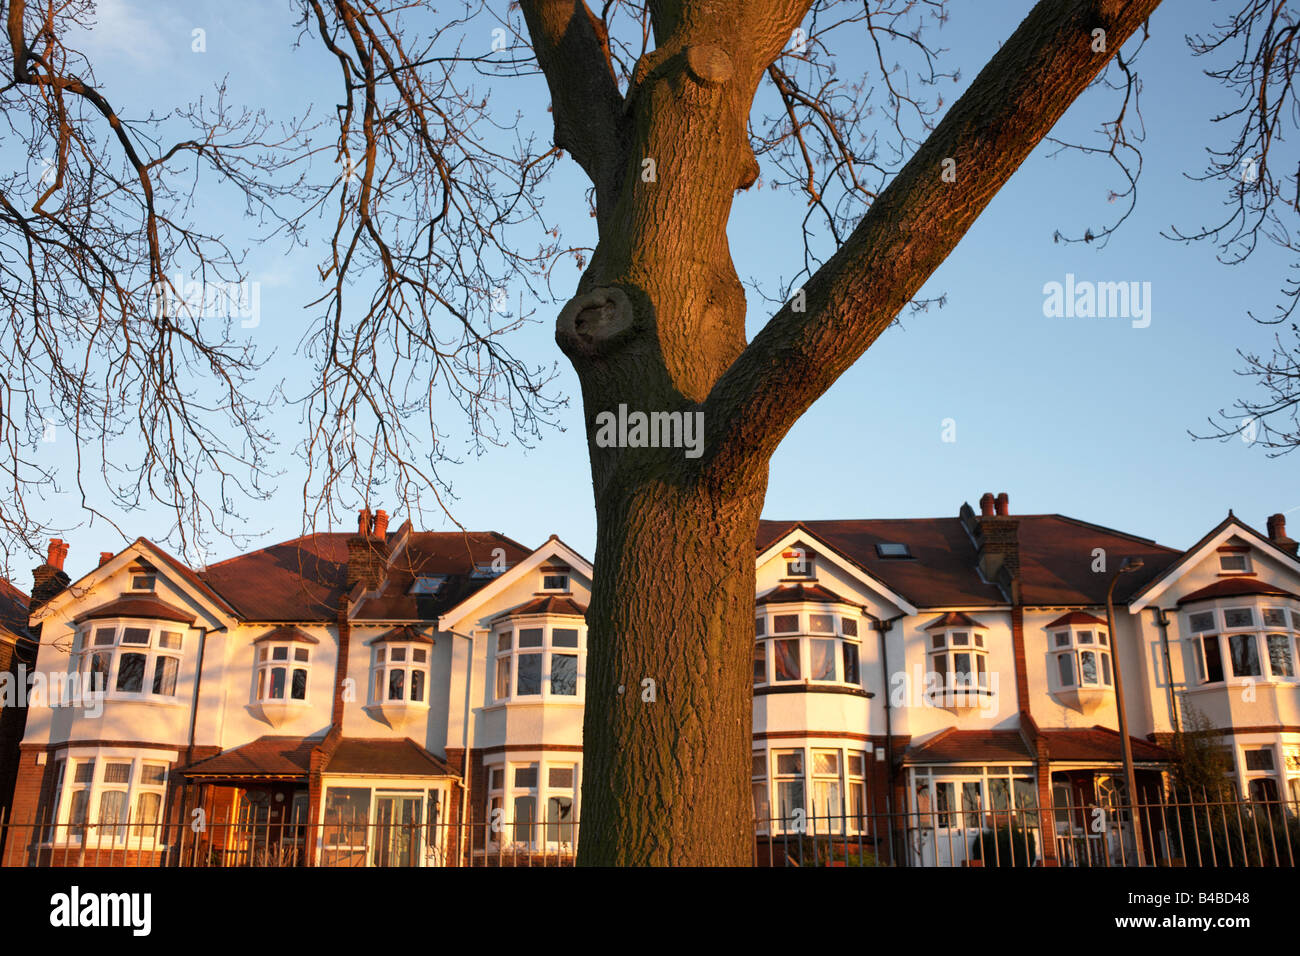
(1162, 621)
(194, 713)
(464, 770)
(883, 627)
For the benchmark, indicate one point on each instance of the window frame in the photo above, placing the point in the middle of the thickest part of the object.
(91, 832)
(1264, 631)
(1080, 640)
(86, 649)
(382, 664)
(265, 663)
(505, 662)
(538, 831)
(839, 636)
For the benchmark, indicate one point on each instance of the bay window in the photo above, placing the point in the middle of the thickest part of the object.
(111, 799)
(813, 789)
(129, 659)
(399, 673)
(538, 660)
(822, 647)
(959, 661)
(1082, 657)
(1248, 643)
(282, 672)
(533, 804)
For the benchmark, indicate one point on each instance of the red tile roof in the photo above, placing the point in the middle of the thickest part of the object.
(953, 619)
(298, 580)
(1056, 558)
(1077, 618)
(547, 604)
(130, 606)
(1098, 743)
(1235, 587)
(13, 609)
(263, 757)
(794, 593)
(384, 755)
(959, 746)
(286, 632)
(406, 634)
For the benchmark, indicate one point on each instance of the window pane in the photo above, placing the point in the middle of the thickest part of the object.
(170, 640)
(821, 624)
(559, 820)
(419, 655)
(789, 797)
(961, 638)
(503, 641)
(277, 683)
(826, 803)
(760, 662)
(760, 626)
(1201, 622)
(279, 653)
(1274, 617)
(1101, 638)
(1213, 659)
(826, 762)
(417, 685)
(789, 761)
(1105, 669)
(347, 813)
(1260, 759)
(147, 806)
(560, 778)
(785, 623)
(77, 812)
(1062, 638)
(1087, 667)
(821, 659)
(762, 812)
(961, 670)
(857, 764)
(851, 675)
(564, 637)
(397, 654)
(1065, 664)
(164, 676)
(300, 654)
(529, 678)
(496, 778)
(785, 659)
(117, 773)
(153, 774)
(564, 674)
(112, 812)
(848, 627)
(1245, 661)
(1239, 617)
(299, 689)
(530, 637)
(97, 673)
(526, 777)
(938, 641)
(130, 673)
(1279, 655)
(758, 766)
(103, 636)
(397, 684)
(1085, 637)
(135, 635)
(503, 678)
(525, 809)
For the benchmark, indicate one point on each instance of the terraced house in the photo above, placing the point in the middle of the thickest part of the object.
(415, 698)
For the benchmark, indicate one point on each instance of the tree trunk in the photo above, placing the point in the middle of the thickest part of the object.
(670, 637)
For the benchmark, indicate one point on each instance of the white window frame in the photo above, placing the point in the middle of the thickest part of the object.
(264, 665)
(508, 658)
(128, 834)
(85, 651)
(764, 627)
(1097, 642)
(1258, 629)
(504, 832)
(845, 778)
(951, 642)
(382, 664)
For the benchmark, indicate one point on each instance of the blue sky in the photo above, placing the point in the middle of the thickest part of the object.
(1085, 417)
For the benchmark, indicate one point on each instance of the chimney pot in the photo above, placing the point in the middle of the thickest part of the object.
(56, 553)
(105, 557)
(1003, 504)
(986, 504)
(364, 522)
(381, 523)
(1276, 527)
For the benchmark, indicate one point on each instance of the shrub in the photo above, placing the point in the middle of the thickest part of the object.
(1007, 846)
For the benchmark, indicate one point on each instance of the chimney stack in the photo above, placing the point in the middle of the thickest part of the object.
(997, 536)
(1277, 533)
(367, 554)
(381, 523)
(49, 578)
(105, 557)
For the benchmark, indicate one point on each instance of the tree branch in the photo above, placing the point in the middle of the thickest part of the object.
(911, 228)
(572, 48)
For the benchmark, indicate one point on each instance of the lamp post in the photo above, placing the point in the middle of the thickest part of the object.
(1127, 565)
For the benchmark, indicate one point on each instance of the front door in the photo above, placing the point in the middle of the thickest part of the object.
(397, 829)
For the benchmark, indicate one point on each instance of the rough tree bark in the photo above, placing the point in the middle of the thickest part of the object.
(658, 325)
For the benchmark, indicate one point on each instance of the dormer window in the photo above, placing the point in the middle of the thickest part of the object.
(1234, 562)
(799, 563)
(143, 582)
(428, 583)
(555, 581)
